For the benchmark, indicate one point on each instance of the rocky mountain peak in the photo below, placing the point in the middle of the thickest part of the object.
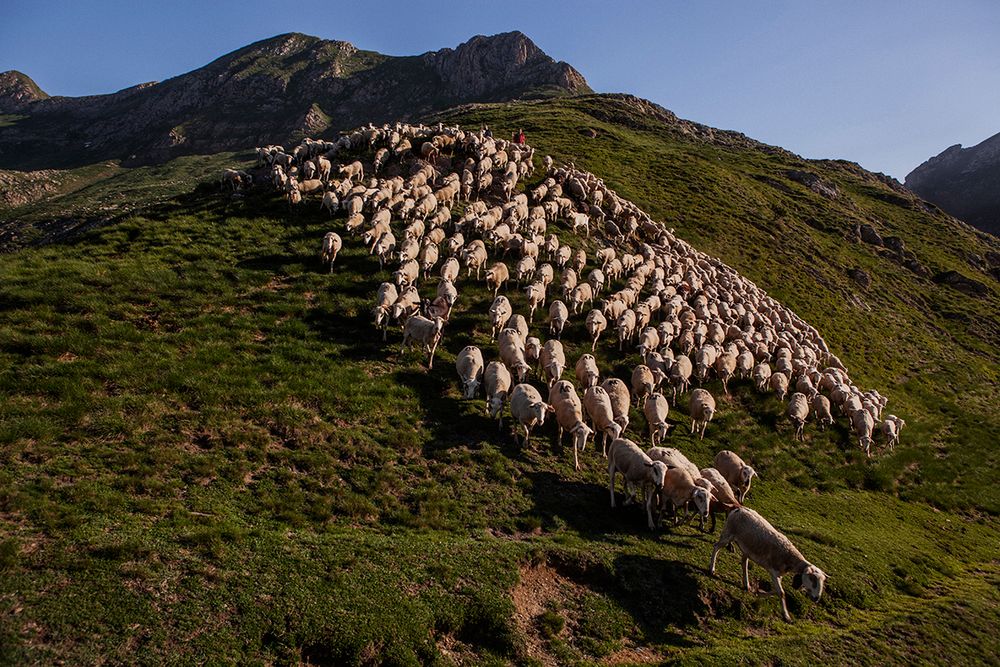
(17, 90)
(496, 64)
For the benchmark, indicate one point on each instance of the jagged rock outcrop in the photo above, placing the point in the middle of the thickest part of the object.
(273, 91)
(965, 182)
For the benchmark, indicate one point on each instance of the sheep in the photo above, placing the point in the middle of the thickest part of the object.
(587, 373)
(762, 376)
(498, 382)
(331, 246)
(519, 324)
(528, 409)
(620, 400)
(863, 423)
(330, 202)
(407, 274)
(597, 403)
(496, 276)
(702, 409)
(474, 256)
(649, 341)
(595, 324)
(427, 257)
(469, 364)
(511, 349)
(423, 330)
(821, 408)
(779, 384)
(679, 488)
(500, 311)
(744, 364)
(553, 360)
(450, 270)
(761, 543)
(569, 417)
(558, 316)
(655, 408)
(387, 296)
(735, 471)
(645, 381)
(725, 367)
(581, 294)
(798, 412)
(355, 169)
(637, 468)
(532, 349)
(680, 375)
(536, 297)
(892, 432)
(723, 497)
(626, 327)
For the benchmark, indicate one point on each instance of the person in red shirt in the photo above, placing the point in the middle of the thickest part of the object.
(520, 137)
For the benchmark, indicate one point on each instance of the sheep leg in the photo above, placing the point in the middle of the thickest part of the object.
(650, 498)
(746, 573)
(430, 363)
(611, 482)
(780, 592)
(719, 546)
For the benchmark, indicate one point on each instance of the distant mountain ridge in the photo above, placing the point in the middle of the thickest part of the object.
(965, 182)
(272, 91)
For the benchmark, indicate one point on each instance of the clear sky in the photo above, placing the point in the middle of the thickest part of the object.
(882, 82)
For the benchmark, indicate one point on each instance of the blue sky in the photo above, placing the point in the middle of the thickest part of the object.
(881, 82)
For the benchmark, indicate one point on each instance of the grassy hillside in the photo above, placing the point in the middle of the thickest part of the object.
(206, 454)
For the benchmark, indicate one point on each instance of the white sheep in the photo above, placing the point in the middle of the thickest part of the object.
(656, 408)
(553, 360)
(500, 311)
(798, 412)
(735, 471)
(498, 382)
(702, 409)
(821, 408)
(597, 403)
(511, 349)
(587, 372)
(558, 316)
(645, 380)
(620, 400)
(596, 323)
(680, 375)
(331, 247)
(469, 364)
(496, 276)
(763, 544)
(638, 469)
(863, 424)
(528, 408)
(723, 497)
(680, 489)
(569, 417)
(536, 297)
(422, 330)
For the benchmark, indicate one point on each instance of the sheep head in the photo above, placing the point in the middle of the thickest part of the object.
(702, 499)
(811, 580)
(581, 431)
(658, 473)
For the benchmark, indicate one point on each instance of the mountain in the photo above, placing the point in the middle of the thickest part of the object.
(964, 182)
(274, 91)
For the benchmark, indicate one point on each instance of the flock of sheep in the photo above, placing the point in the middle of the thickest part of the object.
(440, 200)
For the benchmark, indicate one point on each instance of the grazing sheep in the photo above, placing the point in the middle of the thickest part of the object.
(656, 408)
(587, 373)
(723, 497)
(638, 469)
(581, 294)
(532, 350)
(892, 432)
(498, 382)
(553, 360)
(702, 408)
(558, 316)
(569, 417)
(597, 403)
(425, 331)
(735, 471)
(762, 376)
(528, 409)
(469, 364)
(798, 412)
(331, 246)
(519, 324)
(595, 324)
(761, 543)
(620, 400)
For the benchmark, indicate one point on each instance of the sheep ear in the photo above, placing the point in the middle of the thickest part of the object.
(797, 581)
(649, 465)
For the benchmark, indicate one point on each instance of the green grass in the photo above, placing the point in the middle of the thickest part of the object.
(207, 455)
